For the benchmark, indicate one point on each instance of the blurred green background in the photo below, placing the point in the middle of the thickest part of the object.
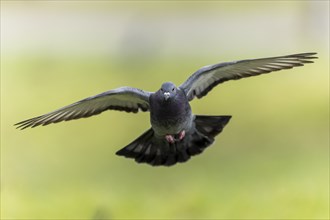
(271, 161)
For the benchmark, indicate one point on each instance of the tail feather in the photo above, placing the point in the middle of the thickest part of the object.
(138, 146)
(156, 151)
(207, 127)
(198, 143)
(211, 125)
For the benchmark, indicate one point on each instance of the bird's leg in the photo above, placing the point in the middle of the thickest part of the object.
(182, 134)
(170, 139)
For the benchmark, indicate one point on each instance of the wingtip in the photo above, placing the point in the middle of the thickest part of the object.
(309, 55)
(304, 58)
(21, 127)
(18, 125)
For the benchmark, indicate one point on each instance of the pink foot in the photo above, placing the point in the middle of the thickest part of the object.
(182, 134)
(170, 139)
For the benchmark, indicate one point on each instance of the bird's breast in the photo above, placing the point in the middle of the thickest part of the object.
(170, 117)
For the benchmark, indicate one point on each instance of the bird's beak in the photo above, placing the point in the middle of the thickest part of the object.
(167, 95)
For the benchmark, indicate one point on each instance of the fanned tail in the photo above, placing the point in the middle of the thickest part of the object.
(156, 151)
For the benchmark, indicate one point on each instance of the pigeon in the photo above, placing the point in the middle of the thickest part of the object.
(176, 133)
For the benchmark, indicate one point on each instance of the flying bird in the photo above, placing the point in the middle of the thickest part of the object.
(176, 133)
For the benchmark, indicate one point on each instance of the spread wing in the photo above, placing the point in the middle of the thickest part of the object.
(206, 78)
(123, 99)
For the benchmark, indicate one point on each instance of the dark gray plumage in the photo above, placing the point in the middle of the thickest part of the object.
(176, 133)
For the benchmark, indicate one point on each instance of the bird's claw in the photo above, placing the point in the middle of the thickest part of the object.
(182, 134)
(171, 139)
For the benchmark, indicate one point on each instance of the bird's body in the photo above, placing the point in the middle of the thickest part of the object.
(176, 133)
(172, 115)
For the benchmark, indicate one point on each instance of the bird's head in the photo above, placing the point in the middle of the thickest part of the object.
(168, 90)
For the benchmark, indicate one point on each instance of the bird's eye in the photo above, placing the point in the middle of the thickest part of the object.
(161, 89)
(173, 89)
